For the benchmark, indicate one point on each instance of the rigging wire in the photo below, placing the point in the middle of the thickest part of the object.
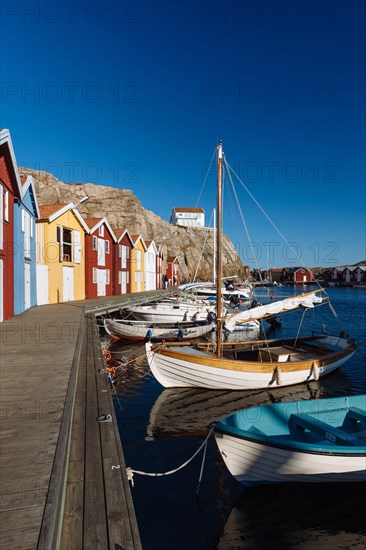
(273, 224)
(205, 178)
(288, 244)
(242, 217)
(202, 249)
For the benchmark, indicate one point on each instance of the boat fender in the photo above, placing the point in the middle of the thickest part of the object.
(107, 354)
(180, 335)
(278, 376)
(149, 335)
(315, 371)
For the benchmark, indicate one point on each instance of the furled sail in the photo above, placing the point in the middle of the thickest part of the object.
(307, 300)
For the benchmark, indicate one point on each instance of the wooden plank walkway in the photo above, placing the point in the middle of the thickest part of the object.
(62, 472)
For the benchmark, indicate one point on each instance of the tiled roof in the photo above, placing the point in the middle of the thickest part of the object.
(182, 209)
(294, 269)
(91, 222)
(171, 259)
(148, 243)
(118, 232)
(46, 210)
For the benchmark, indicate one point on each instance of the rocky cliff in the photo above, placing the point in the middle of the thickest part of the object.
(123, 209)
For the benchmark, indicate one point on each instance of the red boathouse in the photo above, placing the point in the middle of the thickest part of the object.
(99, 258)
(122, 263)
(10, 186)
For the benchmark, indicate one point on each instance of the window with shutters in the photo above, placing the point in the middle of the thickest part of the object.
(107, 276)
(95, 275)
(64, 239)
(107, 247)
(95, 242)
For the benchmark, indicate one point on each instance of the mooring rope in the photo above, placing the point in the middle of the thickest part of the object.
(130, 471)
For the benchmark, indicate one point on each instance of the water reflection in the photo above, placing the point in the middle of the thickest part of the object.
(293, 516)
(187, 412)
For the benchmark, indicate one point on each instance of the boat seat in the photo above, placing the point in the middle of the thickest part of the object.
(357, 414)
(299, 422)
(354, 419)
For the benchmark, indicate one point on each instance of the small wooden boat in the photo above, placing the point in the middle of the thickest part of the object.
(259, 364)
(305, 441)
(143, 330)
(171, 312)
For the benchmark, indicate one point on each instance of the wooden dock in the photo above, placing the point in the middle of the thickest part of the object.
(63, 479)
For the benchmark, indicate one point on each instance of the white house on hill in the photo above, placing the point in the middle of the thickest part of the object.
(190, 217)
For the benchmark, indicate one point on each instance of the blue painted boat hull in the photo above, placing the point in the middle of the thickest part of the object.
(307, 441)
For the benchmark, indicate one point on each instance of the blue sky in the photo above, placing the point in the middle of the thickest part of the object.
(136, 94)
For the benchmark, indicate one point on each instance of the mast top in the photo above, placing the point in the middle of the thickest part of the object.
(219, 149)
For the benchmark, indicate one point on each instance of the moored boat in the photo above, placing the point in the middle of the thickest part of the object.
(260, 364)
(130, 329)
(305, 441)
(170, 312)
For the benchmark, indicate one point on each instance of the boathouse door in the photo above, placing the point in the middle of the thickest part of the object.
(124, 282)
(1, 290)
(67, 283)
(101, 282)
(27, 286)
(138, 281)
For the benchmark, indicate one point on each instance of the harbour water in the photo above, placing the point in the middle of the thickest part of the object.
(161, 429)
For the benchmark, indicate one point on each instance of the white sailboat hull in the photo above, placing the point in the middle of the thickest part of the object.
(189, 367)
(251, 461)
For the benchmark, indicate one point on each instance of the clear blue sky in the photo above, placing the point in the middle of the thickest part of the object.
(136, 94)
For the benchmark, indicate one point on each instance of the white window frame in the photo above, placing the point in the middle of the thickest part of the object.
(95, 242)
(6, 206)
(95, 275)
(107, 246)
(107, 277)
(101, 231)
(124, 256)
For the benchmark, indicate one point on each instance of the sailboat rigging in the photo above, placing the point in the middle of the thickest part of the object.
(247, 365)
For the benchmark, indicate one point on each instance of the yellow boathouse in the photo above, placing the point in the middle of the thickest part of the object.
(138, 264)
(60, 236)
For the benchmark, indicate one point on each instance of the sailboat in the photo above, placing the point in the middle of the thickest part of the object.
(256, 364)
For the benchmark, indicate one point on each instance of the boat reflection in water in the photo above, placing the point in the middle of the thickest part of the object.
(187, 412)
(325, 516)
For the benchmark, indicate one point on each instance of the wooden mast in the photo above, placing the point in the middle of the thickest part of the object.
(219, 250)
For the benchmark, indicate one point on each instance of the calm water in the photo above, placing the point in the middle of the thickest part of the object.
(160, 429)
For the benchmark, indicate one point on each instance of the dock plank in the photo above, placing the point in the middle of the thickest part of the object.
(95, 530)
(61, 478)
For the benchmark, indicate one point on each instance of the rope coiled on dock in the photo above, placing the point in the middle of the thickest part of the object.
(130, 471)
